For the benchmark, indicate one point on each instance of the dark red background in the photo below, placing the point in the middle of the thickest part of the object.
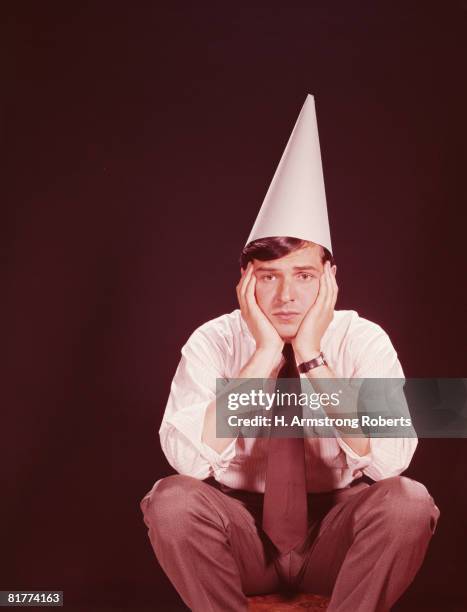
(138, 143)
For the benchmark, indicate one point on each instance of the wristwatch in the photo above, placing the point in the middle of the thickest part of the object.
(306, 366)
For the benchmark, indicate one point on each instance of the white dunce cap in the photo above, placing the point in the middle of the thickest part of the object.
(295, 204)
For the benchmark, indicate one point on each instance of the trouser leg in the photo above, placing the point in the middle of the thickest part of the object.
(371, 545)
(207, 543)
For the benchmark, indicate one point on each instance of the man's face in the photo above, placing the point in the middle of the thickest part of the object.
(286, 288)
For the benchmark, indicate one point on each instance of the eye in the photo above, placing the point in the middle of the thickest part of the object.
(267, 277)
(306, 276)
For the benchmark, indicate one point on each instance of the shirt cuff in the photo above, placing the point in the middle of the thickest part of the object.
(354, 460)
(219, 461)
(391, 456)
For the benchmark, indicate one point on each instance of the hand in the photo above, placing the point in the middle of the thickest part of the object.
(307, 342)
(263, 331)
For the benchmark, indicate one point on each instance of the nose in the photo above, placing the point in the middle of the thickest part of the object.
(285, 291)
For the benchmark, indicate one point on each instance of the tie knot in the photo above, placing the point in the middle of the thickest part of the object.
(289, 368)
(288, 353)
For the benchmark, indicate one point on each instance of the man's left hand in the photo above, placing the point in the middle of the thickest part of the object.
(307, 342)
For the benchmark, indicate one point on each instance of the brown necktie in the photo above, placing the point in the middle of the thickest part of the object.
(285, 497)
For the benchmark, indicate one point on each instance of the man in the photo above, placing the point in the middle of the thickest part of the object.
(232, 522)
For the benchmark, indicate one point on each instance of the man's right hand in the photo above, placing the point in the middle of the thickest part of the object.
(264, 361)
(264, 333)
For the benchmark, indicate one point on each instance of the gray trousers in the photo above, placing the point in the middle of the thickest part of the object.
(364, 547)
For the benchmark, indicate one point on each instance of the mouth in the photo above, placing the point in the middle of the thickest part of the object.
(284, 315)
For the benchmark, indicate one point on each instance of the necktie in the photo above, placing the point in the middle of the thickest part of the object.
(285, 497)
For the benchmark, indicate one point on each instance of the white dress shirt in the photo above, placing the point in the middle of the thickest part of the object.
(353, 347)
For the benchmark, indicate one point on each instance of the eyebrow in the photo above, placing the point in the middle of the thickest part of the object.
(266, 269)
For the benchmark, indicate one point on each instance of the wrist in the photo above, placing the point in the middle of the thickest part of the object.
(271, 350)
(269, 357)
(303, 354)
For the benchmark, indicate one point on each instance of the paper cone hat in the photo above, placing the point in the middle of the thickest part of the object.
(295, 204)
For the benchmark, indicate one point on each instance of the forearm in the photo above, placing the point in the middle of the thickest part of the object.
(261, 364)
(349, 398)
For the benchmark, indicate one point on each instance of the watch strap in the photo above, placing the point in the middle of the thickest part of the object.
(306, 366)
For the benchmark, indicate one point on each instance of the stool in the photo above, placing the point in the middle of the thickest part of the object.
(278, 602)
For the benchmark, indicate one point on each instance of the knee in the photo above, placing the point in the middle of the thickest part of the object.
(407, 503)
(172, 503)
(406, 491)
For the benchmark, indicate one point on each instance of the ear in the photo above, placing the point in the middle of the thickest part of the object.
(243, 270)
(334, 270)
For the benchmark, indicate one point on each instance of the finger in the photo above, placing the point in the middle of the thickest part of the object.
(241, 287)
(323, 290)
(334, 300)
(248, 267)
(332, 288)
(332, 276)
(325, 304)
(249, 278)
(244, 280)
(250, 297)
(242, 291)
(327, 277)
(242, 274)
(334, 285)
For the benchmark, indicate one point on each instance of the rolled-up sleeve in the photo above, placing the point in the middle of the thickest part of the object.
(193, 389)
(377, 358)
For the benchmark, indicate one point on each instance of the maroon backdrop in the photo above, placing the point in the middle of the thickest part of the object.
(138, 143)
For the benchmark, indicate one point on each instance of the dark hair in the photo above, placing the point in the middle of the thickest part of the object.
(275, 247)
